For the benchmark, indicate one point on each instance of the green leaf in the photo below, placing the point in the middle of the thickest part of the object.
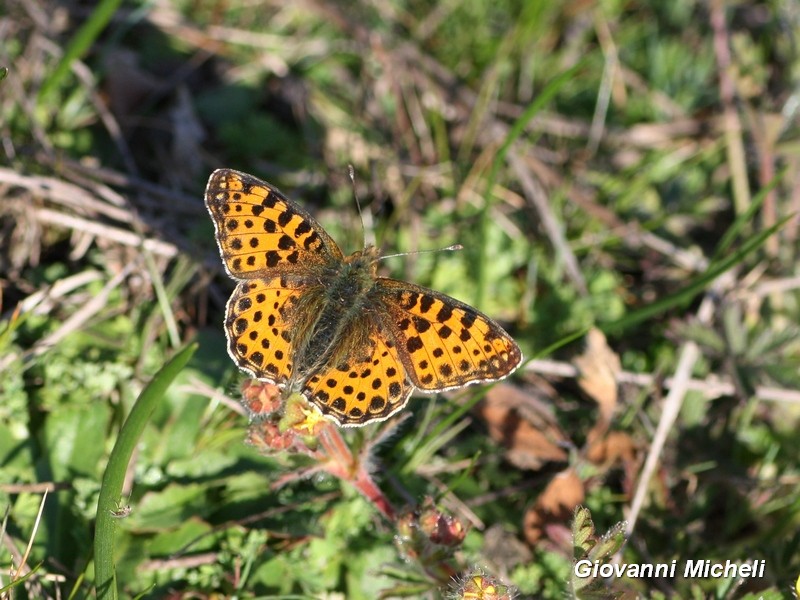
(170, 507)
(70, 439)
(582, 532)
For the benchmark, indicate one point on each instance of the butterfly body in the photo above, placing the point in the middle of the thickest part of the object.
(328, 319)
(305, 317)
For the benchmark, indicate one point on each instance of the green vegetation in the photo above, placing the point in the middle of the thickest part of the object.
(624, 180)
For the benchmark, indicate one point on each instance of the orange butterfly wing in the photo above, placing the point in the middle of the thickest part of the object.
(445, 344)
(370, 386)
(271, 246)
(258, 330)
(260, 232)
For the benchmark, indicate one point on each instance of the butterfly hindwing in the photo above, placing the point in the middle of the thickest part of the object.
(445, 343)
(368, 386)
(259, 330)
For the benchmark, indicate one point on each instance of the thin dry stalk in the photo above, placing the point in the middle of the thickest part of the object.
(555, 233)
(78, 319)
(688, 356)
(23, 568)
(733, 126)
(114, 234)
(711, 387)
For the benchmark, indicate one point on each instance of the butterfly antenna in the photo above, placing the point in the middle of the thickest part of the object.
(446, 249)
(366, 217)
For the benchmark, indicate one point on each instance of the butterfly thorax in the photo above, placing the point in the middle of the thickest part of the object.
(335, 317)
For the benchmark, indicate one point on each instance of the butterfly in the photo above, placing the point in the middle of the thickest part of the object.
(307, 318)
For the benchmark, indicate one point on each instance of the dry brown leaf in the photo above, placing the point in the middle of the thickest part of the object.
(616, 448)
(524, 426)
(599, 367)
(554, 507)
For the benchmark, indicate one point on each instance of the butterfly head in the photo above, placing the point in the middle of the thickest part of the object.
(365, 260)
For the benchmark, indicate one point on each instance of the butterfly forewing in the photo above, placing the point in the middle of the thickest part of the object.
(260, 232)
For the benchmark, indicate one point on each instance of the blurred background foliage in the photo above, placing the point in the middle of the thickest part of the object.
(596, 160)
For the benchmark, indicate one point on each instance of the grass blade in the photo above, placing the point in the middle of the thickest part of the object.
(517, 129)
(111, 487)
(686, 294)
(746, 217)
(80, 44)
